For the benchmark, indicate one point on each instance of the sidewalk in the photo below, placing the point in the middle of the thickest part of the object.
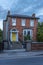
(20, 53)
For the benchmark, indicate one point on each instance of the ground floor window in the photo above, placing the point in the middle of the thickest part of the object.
(27, 33)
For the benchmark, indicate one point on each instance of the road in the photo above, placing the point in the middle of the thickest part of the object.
(22, 61)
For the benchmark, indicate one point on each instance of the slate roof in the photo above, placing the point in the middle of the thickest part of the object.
(22, 16)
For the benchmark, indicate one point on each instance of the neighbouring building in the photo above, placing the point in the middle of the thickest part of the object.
(16, 26)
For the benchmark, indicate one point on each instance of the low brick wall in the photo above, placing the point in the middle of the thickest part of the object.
(37, 46)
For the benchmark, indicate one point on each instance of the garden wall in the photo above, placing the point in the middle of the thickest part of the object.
(37, 46)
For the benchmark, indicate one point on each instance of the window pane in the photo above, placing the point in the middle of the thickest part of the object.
(23, 22)
(14, 22)
(28, 33)
(24, 32)
(31, 22)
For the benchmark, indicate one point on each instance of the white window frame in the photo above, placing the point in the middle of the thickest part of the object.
(32, 23)
(13, 21)
(23, 22)
(31, 32)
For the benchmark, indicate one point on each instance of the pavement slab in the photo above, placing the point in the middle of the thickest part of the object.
(13, 54)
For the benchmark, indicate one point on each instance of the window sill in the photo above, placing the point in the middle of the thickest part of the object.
(13, 25)
(31, 26)
(23, 26)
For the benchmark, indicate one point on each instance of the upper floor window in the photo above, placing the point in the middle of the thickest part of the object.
(14, 22)
(32, 23)
(23, 22)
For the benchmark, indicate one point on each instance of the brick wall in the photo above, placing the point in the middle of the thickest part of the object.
(20, 28)
(37, 46)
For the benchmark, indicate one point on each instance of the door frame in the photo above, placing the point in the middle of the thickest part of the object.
(15, 31)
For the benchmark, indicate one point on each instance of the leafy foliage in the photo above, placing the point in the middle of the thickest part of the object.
(40, 32)
(27, 37)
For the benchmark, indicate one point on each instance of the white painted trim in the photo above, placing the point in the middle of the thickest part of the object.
(14, 31)
(17, 36)
(11, 36)
(31, 34)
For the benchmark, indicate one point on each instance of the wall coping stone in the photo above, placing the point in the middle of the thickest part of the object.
(37, 42)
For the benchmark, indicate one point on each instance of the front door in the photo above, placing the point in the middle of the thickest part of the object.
(13, 36)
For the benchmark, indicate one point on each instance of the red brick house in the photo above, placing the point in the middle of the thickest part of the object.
(15, 27)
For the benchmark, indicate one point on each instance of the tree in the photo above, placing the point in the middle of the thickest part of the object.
(40, 32)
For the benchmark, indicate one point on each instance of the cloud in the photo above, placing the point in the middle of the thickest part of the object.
(26, 6)
(3, 13)
(39, 12)
(14, 3)
(7, 4)
(20, 7)
(26, 9)
(29, 8)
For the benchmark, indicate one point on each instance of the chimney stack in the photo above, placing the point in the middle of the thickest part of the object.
(33, 15)
(8, 12)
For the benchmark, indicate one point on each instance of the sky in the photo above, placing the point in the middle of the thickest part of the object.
(24, 7)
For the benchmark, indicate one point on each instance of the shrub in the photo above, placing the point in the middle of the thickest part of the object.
(26, 37)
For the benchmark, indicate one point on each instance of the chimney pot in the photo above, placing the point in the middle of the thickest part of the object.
(9, 12)
(33, 15)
